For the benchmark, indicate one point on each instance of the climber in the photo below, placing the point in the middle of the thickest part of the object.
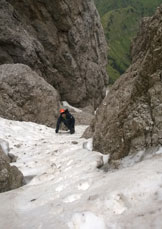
(67, 119)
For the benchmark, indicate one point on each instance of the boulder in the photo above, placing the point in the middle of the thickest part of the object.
(5, 146)
(10, 157)
(63, 41)
(130, 117)
(25, 96)
(10, 176)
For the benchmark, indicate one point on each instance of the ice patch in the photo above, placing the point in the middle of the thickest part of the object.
(130, 160)
(60, 188)
(117, 203)
(106, 158)
(67, 169)
(83, 186)
(72, 198)
(69, 162)
(107, 91)
(88, 145)
(159, 151)
(86, 220)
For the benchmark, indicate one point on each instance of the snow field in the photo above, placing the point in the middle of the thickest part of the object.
(65, 190)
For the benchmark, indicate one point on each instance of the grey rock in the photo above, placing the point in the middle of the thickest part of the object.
(5, 146)
(25, 96)
(9, 157)
(74, 142)
(12, 157)
(88, 133)
(3, 155)
(82, 118)
(10, 176)
(63, 41)
(130, 117)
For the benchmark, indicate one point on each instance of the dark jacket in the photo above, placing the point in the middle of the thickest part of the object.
(69, 121)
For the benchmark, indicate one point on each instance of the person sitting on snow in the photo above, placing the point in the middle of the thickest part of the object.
(67, 119)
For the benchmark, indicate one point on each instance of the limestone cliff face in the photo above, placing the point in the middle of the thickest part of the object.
(130, 117)
(62, 41)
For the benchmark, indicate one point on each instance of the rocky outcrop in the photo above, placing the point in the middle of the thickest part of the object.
(62, 41)
(10, 176)
(10, 157)
(25, 96)
(130, 117)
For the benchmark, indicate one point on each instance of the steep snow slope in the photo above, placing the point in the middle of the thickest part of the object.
(66, 189)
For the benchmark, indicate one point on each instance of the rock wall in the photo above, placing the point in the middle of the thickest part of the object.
(62, 41)
(130, 117)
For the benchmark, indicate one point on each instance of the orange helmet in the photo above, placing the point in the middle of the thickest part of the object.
(62, 111)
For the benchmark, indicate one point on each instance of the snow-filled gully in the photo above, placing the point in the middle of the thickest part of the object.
(65, 189)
